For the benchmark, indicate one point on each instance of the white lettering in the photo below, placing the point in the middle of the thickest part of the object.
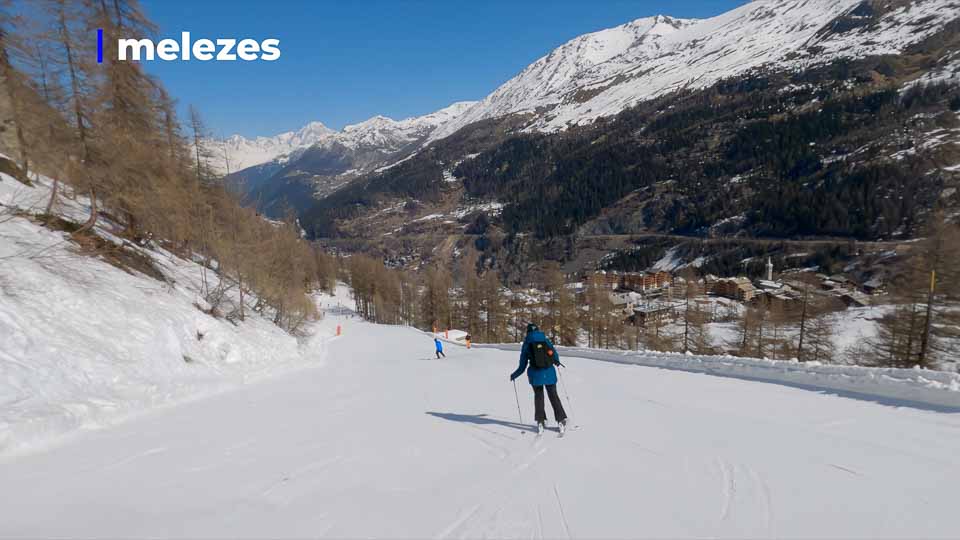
(135, 46)
(227, 45)
(271, 49)
(248, 49)
(225, 49)
(185, 44)
(203, 50)
(168, 49)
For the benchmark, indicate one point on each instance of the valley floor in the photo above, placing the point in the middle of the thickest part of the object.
(383, 440)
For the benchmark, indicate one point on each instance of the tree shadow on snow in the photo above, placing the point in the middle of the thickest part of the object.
(481, 420)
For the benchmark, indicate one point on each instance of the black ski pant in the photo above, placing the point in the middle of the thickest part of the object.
(440, 353)
(540, 414)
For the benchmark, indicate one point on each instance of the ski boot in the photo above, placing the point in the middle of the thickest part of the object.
(541, 426)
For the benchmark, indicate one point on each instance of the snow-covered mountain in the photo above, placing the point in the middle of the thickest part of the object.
(602, 73)
(389, 135)
(243, 152)
(335, 158)
(379, 132)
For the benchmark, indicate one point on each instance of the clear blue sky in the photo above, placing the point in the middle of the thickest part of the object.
(344, 61)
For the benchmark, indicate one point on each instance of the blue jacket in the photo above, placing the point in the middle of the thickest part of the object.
(537, 377)
(439, 344)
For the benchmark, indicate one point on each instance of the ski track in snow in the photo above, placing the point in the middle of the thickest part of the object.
(728, 488)
(457, 523)
(133, 458)
(539, 522)
(765, 500)
(563, 516)
(744, 495)
(845, 469)
(497, 450)
(495, 493)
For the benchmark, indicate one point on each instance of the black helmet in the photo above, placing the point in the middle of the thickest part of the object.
(532, 328)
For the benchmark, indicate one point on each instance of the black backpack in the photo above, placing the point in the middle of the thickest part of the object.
(541, 356)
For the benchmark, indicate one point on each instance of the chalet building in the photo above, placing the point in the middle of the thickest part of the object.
(608, 280)
(843, 281)
(736, 288)
(769, 285)
(648, 311)
(829, 285)
(577, 287)
(777, 299)
(646, 281)
(634, 281)
(625, 300)
(855, 299)
(874, 286)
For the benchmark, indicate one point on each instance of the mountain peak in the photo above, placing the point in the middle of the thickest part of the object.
(315, 127)
(243, 152)
(377, 121)
(377, 132)
(602, 73)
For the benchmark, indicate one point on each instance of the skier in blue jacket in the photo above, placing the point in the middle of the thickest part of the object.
(537, 349)
(439, 344)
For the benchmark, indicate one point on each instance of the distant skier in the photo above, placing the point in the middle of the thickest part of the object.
(539, 353)
(439, 344)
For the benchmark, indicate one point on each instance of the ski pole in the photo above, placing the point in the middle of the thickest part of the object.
(517, 395)
(566, 394)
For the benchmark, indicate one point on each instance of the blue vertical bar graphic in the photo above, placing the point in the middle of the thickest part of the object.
(99, 45)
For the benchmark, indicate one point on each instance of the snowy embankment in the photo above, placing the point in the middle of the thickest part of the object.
(84, 343)
(908, 386)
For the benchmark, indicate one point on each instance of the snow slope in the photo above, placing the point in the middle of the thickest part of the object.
(384, 441)
(603, 73)
(84, 344)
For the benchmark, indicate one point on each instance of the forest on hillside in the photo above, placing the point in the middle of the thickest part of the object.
(796, 163)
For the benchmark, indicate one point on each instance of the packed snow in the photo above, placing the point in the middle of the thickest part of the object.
(384, 440)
